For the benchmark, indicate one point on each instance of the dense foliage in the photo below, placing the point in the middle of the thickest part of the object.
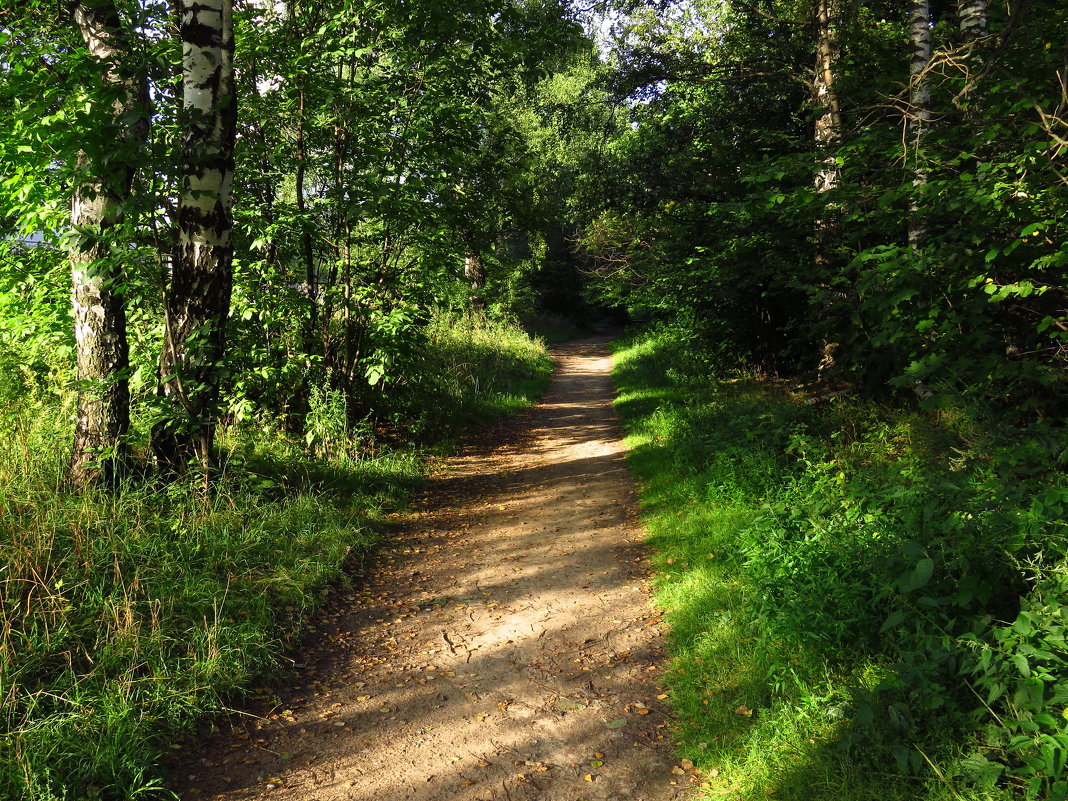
(381, 151)
(315, 224)
(712, 212)
(851, 433)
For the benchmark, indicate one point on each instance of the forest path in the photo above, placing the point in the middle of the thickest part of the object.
(504, 647)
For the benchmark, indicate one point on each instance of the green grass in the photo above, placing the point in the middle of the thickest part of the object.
(125, 619)
(474, 368)
(852, 576)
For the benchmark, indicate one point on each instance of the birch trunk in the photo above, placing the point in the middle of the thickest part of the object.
(972, 17)
(100, 452)
(828, 131)
(475, 273)
(198, 298)
(306, 245)
(919, 116)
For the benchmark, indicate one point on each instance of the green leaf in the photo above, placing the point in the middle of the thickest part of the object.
(892, 621)
(1022, 665)
(977, 768)
(920, 575)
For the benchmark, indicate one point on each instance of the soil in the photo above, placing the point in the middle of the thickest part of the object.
(502, 648)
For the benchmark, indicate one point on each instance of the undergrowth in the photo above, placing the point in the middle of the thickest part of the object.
(865, 602)
(126, 618)
(473, 368)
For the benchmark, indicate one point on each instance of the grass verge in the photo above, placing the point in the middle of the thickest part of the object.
(864, 603)
(474, 368)
(125, 619)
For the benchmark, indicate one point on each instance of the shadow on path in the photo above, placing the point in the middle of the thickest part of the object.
(503, 648)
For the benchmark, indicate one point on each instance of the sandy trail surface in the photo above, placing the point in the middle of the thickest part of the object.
(502, 647)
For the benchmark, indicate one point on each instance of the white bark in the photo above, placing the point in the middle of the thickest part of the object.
(919, 116)
(828, 129)
(102, 353)
(972, 17)
(198, 298)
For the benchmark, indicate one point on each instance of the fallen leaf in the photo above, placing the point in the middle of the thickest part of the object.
(596, 763)
(618, 723)
(569, 705)
(677, 771)
(743, 710)
(588, 777)
(686, 764)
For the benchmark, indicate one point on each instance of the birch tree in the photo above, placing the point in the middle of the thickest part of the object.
(828, 129)
(198, 296)
(474, 271)
(102, 350)
(972, 17)
(919, 113)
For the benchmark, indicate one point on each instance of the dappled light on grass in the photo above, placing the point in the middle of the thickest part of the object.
(129, 617)
(836, 573)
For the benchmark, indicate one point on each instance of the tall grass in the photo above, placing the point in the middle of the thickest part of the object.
(125, 618)
(473, 368)
(865, 602)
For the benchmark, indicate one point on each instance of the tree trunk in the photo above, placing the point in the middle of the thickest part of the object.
(972, 16)
(475, 273)
(311, 331)
(919, 114)
(828, 130)
(198, 299)
(100, 453)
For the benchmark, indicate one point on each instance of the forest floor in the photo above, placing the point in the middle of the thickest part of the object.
(502, 647)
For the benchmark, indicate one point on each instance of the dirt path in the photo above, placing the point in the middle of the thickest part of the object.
(504, 648)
